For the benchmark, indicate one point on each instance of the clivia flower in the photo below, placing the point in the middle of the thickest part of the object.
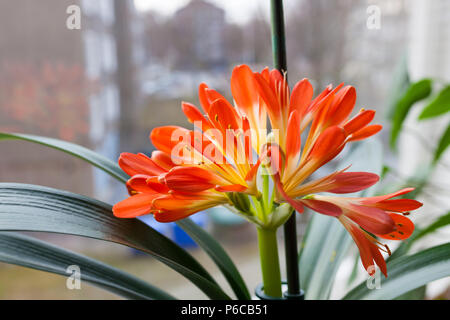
(229, 159)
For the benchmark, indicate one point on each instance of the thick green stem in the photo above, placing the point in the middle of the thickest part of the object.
(270, 264)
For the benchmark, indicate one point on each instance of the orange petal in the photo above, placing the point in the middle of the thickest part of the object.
(168, 137)
(323, 207)
(224, 116)
(301, 97)
(378, 258)
(399, 205)
(328, 144)
(361, 120)
(371, 219)
(139, 183)
(348, 182)
(366, 248)
(172, 208)
(373, 200)
(194, 115)
(162, 159)
(243, 88)
(135, 206)
(293, 136)
(204, 100)
(403, 228)
(191, 179)
(296, 204)
(365, 132)
(271, 101)
(231, 188)
(342, 105)
(134, 164)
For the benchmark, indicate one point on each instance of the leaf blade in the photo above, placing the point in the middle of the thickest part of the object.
(416, 92)
(203, 239)
(444, 142)
(439, 105)
(32, 253)
(42, 209)
(218, 255)
(73, 149)
(408, 273)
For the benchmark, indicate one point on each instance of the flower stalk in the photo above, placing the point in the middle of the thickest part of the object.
(270, 265)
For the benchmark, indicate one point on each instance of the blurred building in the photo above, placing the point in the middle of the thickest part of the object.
(200, 27)
(34, 34)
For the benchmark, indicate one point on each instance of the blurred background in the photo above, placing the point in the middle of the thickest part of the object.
(131, 63)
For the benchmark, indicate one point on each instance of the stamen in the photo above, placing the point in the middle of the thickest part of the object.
(388, 250)
(381, 246)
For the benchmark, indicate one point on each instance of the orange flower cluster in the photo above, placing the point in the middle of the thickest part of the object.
(193, 170)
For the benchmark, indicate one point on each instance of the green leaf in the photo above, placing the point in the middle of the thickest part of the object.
(416, 92)
(439, 105)
(439, 223)
(41, 209)
(75, 150)
(407, 273)
(326, 241)
(324, 246)
(32, 253)
(218, 255)
(444, 142)
(416, 294)
(203, 239)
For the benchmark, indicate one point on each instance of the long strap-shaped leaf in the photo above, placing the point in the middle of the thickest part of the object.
(41, 209)
(220, 257)
(32, 253)
(203, 239)
(407, 273)
(73, 149)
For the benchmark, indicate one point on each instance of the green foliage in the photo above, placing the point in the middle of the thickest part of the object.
(416, 92)
(444, 142)
(44, 209)
(203, 239)
(408, 273)
(32, 253)
(75, 150)
(219, 256)
(439, 105)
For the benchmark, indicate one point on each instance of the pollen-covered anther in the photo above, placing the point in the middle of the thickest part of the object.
(387, 249)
